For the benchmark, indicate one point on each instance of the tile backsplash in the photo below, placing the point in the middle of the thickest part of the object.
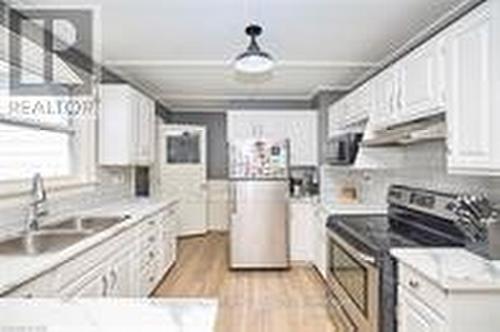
(423, 166)
(113, 184)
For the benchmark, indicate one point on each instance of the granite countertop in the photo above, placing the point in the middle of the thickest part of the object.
(175, 315)
(452, 269)
(17, 270)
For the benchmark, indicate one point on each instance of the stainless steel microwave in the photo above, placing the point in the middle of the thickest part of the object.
(342, 149)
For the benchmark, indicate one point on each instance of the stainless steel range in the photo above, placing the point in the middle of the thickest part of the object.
(362, 275)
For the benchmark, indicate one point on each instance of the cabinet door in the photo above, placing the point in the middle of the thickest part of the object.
(301, 232)
(167, 240)
(415, 316)
(238, 127)
(468, 104)
(301, 130)
(421, 92)
(93, 284)
(96, 287)
(120, 277)
(320, 240)
(144, 129)
(385, 98)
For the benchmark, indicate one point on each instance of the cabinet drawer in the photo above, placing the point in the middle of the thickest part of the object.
(418, 286)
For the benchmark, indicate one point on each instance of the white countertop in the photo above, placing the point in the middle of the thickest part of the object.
(353, 209)
(304, 200)
(173, 315)
(452, 269)
(16, 270)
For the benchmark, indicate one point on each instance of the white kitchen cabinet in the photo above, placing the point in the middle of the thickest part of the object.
(39, 287)
(126, 126)
(129, 264)
(302, 230)
(350, 110)
(300, 127)
(168, 239)
(428, 301)
(121, 279)
(472, 134)
(320, 241)
(92, 284)
(421, 82)
(385, 97)
(416, 316)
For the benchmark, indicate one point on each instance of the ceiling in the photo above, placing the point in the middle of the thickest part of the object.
(182, 49)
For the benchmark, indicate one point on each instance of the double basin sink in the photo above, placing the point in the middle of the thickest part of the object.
(57, 236)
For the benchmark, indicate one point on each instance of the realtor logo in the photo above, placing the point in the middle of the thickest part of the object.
(50, 52)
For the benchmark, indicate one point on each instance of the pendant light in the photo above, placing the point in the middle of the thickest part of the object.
(254, 60)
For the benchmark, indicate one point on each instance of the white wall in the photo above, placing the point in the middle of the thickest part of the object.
(424, 165)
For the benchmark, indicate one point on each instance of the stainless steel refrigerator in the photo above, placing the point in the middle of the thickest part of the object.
(259, 174)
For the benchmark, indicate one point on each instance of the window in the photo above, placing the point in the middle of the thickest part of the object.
(37, 137)
(25, 151)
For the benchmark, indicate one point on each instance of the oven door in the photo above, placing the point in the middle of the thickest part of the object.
(354, 281)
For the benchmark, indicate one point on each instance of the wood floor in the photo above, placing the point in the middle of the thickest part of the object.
(256, 301)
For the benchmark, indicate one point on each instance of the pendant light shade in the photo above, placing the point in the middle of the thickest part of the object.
(254, 60)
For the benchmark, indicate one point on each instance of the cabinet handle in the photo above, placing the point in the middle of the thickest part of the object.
(448, 148)
(414, 284)
(104, 286)
(114, 279)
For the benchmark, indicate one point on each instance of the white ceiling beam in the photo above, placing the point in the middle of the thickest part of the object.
(184, 97)
(218, 64)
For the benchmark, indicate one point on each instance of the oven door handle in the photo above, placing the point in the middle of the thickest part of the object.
(366, 259)
(363, 258)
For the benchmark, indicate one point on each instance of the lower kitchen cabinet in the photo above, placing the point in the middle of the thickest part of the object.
(130, 264)
(121, 280)
(301, 231)
(320, 241)
(416, 316)
(94, 284)
(427, 306)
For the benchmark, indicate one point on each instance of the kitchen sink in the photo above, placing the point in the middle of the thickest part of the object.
(40, 242)
(57, 236)
(94, 224)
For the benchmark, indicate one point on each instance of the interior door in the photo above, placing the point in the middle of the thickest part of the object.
(183, 174)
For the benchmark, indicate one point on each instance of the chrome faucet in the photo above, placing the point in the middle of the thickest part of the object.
(36, 206)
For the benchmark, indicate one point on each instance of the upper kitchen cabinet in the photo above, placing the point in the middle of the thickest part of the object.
(300, 127)
(351, 110)
(385, 94)
(410, 89)
(126, 126)
(420, 90)
(472, 139)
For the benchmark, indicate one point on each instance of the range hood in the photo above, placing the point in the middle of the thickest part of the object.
(426, 129)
